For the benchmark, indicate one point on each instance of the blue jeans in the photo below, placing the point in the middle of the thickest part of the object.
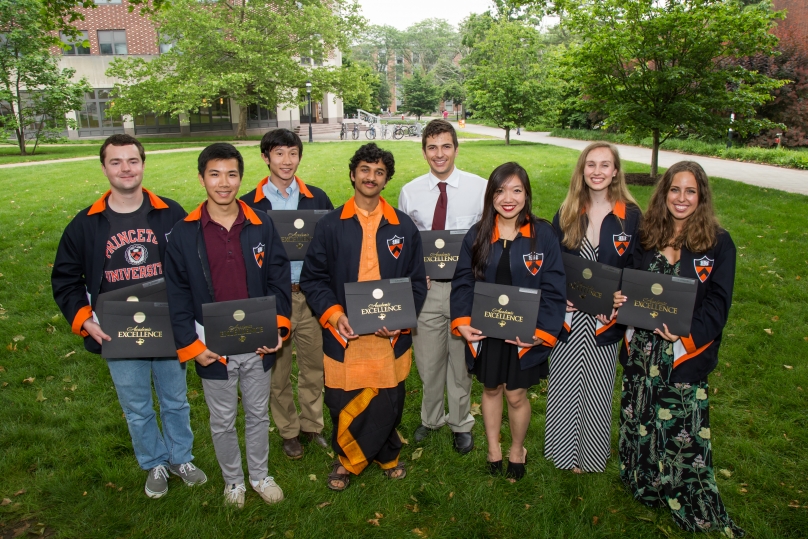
(133, 382)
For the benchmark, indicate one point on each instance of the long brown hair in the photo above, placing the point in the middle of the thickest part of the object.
(481, 249)
(701, 229)
(573, 223)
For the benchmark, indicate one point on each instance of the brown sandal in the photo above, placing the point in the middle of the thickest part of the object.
(336, 476)
(389, 473)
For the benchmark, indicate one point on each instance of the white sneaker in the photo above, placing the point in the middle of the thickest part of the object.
(268, 489)
(234, 495)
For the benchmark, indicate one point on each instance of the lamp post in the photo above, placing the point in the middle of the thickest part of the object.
(308, 94)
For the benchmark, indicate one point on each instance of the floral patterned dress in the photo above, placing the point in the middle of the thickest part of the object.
(664, 443)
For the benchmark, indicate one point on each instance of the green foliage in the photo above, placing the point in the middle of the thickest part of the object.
(421, 95)
(35, 94)
(249, 52)
(662, 68)
(506, 77)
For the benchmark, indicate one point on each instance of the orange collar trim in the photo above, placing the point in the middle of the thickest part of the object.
(259, 190)
(524, 230)
(349, 210)
(619, 209)
(101, 204)
(196, 215)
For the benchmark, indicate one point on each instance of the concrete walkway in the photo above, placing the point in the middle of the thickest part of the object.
(785, 179)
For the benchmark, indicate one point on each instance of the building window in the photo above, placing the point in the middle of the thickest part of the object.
(105, 2)
(165, 43)
(75, 44)
(112, 41)
(215, 115)
(93, 117)
(259, 116)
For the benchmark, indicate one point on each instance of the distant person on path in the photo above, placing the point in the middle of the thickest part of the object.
(445, 114)
(120, 241)
(364, 375)
(598, 220)
(446, 198)
(509, 246)
(665, 442)
(282, 150)
(225, 251)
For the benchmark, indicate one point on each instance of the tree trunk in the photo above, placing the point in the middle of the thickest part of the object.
(507, 135)
(21, 140)
(242, 122)
(655, 155)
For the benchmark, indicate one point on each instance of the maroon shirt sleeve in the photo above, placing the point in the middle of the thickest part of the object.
(226, 261)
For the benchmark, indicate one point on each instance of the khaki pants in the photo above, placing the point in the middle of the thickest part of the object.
(308, 341)
(441, 361)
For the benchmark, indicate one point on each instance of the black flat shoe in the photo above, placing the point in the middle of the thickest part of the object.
(495, 468)
(516, 470)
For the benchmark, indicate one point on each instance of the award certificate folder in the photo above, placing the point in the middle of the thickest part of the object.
(296, 228)
(240, 326)
(655, 299)
(505, 312)
(154, 291)
(138, 329)
(591, 285)
(373, 305)
(441, 251)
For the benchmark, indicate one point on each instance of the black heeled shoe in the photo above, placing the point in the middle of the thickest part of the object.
(516, 470)
(495, 468)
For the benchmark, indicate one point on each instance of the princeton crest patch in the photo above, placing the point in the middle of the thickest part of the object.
(258, 253)
(396, 245)
(621, 242)
(533, 262)
(704, 267)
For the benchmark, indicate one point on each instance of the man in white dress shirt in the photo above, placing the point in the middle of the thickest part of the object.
(444, 199)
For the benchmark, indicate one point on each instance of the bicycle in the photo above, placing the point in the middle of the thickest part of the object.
(399, 132)
(343, 131)
(371, 132)
(355, 133)
(385, 132)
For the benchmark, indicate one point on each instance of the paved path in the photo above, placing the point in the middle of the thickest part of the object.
(785, 179)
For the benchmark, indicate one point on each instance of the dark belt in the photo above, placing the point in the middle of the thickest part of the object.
(441, 280)
(295, 287)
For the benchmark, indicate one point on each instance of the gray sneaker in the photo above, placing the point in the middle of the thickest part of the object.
(189, 473)
(157, 482)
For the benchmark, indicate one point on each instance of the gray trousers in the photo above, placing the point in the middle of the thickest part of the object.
(246, 371)
(440, 357)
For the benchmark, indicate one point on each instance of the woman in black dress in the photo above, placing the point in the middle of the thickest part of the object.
(509, 246)
(665, 442)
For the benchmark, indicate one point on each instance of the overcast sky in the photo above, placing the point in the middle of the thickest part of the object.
(401, 14)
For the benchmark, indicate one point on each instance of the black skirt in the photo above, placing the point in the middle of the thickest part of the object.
(498, 362)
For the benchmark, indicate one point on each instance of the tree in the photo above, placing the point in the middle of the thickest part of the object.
(421, 94)
(35, 94)
(506, 76)
(252, 52)
(662, 67)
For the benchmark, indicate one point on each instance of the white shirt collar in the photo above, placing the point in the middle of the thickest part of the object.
(453, 179)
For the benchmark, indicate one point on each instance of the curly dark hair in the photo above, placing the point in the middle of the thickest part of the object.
(370, 153)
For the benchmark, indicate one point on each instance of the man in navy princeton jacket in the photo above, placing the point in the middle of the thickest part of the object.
(226, 251)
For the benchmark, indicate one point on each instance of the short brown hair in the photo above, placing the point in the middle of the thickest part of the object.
(435, 128)
(122, 140)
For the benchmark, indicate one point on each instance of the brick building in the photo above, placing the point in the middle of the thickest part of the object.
(796, 21)
(114, 32)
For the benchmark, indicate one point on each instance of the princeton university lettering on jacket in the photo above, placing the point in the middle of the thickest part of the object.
(333, 260)
(696, 355)
(619, 233)
(78, 269)
(540, 267)
(189, 285)
(311, 198)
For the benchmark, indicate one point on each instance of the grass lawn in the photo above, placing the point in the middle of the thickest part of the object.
(67, 460)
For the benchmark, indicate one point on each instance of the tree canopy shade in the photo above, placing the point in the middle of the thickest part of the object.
(421, 94)
(663, 67)
(35, 94)
(505, 76)
(253, 52)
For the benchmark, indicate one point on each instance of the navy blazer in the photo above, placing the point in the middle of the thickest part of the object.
(550, 279)
(333, 260)
(696, 354)
(619, 234)
(189, 284)
(311, 198)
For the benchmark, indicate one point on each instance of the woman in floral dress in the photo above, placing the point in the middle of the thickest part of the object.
(665, 438)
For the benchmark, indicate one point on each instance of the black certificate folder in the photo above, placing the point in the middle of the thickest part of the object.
(241, 326)
(138, 330)
(505, 312)
(655, 299)
(154, 291)
(373, 305)
(441, 251)
(590, 284)
(296, 228)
